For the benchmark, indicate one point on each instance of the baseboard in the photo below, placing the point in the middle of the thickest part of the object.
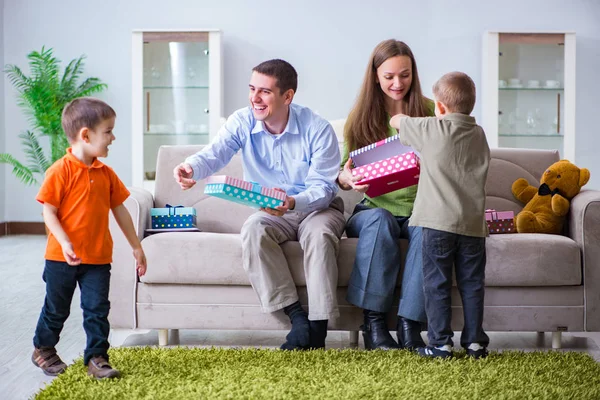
(22, 228)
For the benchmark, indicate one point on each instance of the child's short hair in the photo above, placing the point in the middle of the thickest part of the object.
(84, 112)
(456, 90)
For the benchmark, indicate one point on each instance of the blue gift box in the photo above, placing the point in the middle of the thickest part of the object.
(243, 192)
(173, 217)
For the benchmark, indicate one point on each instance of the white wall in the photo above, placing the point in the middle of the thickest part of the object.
(328, 42)
(2, 133)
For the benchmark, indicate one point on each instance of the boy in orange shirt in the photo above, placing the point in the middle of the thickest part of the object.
(77, 194)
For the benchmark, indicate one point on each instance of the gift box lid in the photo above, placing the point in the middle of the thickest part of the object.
(392, 165)
(493, 215)
(245, 185)
(381, 150)
(172, 210)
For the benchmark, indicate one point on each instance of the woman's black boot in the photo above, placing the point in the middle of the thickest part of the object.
(376, 333)
(409, 334)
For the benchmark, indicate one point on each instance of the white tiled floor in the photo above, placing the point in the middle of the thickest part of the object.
(22, 294)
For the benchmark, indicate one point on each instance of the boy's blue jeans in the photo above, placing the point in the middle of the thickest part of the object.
(441, 252)
(61, 280)
(378, 261)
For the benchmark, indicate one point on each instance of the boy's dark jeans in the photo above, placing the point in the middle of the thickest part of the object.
(442, 251)
(61, 280)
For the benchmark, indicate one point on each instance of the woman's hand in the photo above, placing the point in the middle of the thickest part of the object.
(346, 181)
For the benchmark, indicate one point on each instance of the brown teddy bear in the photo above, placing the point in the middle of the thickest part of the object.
(546, 207)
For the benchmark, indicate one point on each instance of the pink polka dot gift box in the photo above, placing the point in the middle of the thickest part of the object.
(386, 166)
(500, 221)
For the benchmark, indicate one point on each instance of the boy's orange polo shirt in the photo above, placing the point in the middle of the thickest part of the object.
(83, 195)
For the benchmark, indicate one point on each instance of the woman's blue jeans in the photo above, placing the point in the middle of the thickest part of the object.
(378, 259)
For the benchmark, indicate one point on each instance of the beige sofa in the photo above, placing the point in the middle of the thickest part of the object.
(534, 282)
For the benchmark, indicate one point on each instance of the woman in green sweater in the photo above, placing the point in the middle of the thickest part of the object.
(391, 86)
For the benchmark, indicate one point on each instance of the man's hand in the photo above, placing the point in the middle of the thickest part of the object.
(347, 181)
(183, 174)
(395, 121)
(140, 261)
(69, 253)
(288, 204)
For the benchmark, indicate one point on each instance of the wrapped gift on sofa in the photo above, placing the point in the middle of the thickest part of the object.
(500, 221)
(173, 217)
(239, 191)
(386, 166)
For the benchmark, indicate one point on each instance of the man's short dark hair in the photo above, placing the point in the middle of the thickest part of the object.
(84, 112)
(286, 75)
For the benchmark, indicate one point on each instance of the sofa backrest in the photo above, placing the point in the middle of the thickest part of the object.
(508, 165)
(217, 215)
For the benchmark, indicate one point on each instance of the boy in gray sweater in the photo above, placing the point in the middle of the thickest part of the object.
(450, 206)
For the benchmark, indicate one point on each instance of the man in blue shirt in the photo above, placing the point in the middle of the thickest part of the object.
(289, 147)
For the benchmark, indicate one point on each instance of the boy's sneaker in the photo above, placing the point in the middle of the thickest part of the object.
(477, 351)
(99, 368)
(444, 351)
(47, 359)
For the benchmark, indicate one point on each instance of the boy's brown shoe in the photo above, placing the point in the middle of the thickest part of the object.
(47, 359)
(99, 368)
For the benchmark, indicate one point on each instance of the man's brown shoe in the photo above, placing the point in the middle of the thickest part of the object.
(99, 368)
(47, 359)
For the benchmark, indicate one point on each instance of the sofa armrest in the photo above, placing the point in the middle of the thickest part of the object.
(123, 280)
(584, 223)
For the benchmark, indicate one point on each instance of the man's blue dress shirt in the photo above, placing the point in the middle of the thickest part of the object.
(304, 160)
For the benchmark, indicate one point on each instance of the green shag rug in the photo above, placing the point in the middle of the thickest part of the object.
(194, 373)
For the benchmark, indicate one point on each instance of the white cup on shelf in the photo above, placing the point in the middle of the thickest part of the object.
(552, 84)
(533, 83)
(502, 83)
(514, 82)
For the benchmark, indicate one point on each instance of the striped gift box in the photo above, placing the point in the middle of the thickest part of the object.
(379, 150)
(500, 221)
(243, 192)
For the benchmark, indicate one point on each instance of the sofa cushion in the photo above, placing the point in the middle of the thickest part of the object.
(174, 259)
(532, 259)
(194, 258)
(201, 258)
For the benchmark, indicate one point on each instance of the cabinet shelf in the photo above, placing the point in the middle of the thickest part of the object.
(176, 133)
(554, 135)
(175, 87)
(528, 89)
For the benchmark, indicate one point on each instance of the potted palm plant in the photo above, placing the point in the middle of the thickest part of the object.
(42, 95)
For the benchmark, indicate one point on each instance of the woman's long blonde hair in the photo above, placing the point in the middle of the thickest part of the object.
(368, 120)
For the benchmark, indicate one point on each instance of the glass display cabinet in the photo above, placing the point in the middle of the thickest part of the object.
(528, 90)
(177, 85)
